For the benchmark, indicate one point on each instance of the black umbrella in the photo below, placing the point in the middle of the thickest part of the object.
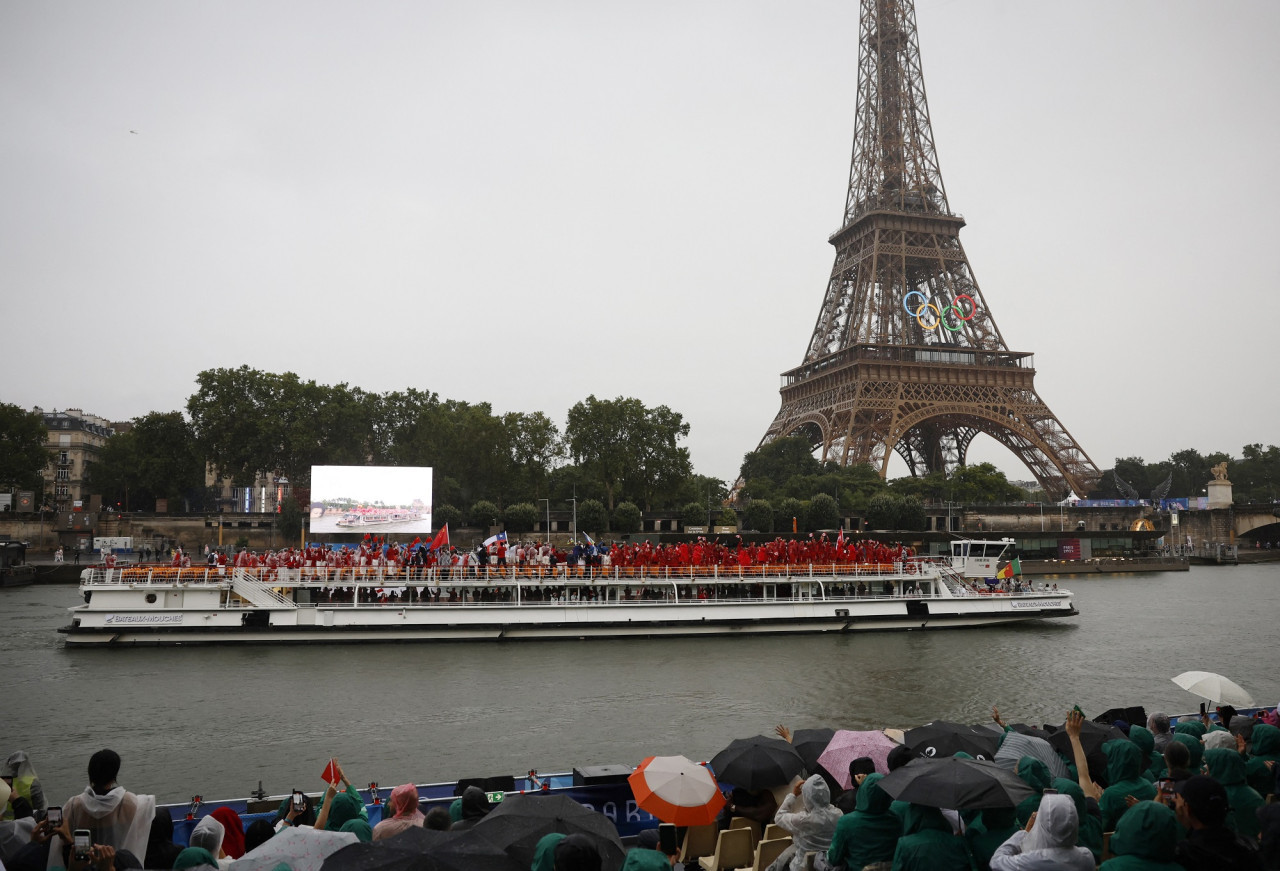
(941, 738)
(810, 743)
(951, 782)
(757, 762)
(419, 849)
(1033, 731)
(1092, 737)
(517, 825)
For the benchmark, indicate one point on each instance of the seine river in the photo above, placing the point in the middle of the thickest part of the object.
(215, 721)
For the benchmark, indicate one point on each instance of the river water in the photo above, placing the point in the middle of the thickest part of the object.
(215, 721)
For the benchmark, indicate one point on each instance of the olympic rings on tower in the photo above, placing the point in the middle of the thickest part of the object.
(939, 311)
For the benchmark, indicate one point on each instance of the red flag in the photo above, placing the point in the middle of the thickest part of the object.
(331, 772)
(442, 538)
(840, 539)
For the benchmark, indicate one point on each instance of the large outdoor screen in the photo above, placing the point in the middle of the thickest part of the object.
(381, 500)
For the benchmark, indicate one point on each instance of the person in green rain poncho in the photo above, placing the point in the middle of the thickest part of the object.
(928, 844)
(1227, 767)
(993, 828)
(1146, 742)
(1145, 839)
(340, 807)
(1124, 766)
(1034, 774)
(1264, 747)
(1194, 747)
(544, 854)
(870, 833)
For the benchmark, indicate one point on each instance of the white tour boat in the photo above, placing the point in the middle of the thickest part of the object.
(166, 606)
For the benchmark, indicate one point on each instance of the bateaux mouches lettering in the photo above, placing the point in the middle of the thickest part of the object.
(144, 619)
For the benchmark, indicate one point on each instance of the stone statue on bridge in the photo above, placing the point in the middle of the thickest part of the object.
(1220, 471)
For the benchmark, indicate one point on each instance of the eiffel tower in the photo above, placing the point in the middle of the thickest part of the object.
(905, 354)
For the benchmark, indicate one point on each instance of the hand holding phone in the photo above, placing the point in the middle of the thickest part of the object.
(82, 845)
(54, 816)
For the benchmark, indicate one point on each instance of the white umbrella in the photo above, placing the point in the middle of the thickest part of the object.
(1214, 687)
(303, 848)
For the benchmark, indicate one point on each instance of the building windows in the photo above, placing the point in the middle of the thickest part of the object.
(64, 440)
(63, 475)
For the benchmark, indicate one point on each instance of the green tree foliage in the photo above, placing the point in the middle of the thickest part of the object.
(446, 514)
(970, 485)
(823, 512)
(592, 517)
(23, 455)
(116, 474)
(484, 514)
(788, 510)
(1255, 476)
(895, 511)
(629, 448)
(758, 516)
(694, 514)
(627, 518)
(728, 517)
(170, 463)
(780, 460)
(289, 520)
(536, 448)
(521, 517)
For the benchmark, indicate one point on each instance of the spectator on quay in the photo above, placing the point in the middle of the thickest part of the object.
(646, 855)
(544, 854)
(14, 833)
(1158, 724)
(1203, 808)
(928, 843)
(475, 806)
(870, 833)
(437, 819)
(1153, 762)
(1048, 843)
(288, 815)
(1124, 764)
(807, 813)
(1264, 747)
(859, 768)
(577, 853)
(161, 850)
(233, 835)
(753, 804)
(1177, 761)
(208, 835)
(1227, 767)
(339, 807)
(1145, 839)
(1269, 820)
(1036, 775)
(992, 828)
(26, 784)
(258, 833)
(360, 828)
(194, 857)
(1088, 815)
(115, 817)
(403, 807)
(1194, 747)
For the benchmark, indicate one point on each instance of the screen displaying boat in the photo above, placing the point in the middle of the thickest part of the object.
(160, 606)
(393, 498)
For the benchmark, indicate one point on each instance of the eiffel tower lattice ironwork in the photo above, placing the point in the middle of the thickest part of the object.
(905, 354)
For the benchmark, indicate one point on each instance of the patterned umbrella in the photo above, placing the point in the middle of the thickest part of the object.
(847, 746)
(941, 738)
(303, 849)
(676, 790)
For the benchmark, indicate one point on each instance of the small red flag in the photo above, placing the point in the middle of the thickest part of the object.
(331, 772)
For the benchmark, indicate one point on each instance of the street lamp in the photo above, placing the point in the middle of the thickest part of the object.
(574, 500)
(546, 530)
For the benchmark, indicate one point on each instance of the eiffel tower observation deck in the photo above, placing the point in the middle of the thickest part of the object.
(905, 354)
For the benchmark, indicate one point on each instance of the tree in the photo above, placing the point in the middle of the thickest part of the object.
(695, 514)
(728, 517)
(895, 512)
(116, 473)
(780, 460)
(823, 512)
(627, 518)
(445, 514)
(484, 514)
(536, 447)
(521, 517)
(23, 455)
(758, 516)
(169, 463)
(787, 511)
(289, 519)
(592, 517)
(620, 440)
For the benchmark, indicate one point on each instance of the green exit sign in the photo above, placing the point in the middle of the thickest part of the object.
(495, 797)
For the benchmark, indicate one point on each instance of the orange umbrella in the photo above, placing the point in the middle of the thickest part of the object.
(676, 790)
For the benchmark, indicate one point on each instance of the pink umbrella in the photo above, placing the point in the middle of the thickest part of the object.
(847, 746)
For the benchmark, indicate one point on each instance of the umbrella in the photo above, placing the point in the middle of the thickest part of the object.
(1214, 687)
(1092, 736)
(810, 743)
(941, 738)
(1015, 746)
(418, 849)
(847, 746)
(676, 790)
(520, 821)
(952, 782)
(757, 762)
(303, 849)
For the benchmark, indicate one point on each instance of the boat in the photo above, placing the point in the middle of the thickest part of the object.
(376, 518)
(160, 605)
(15, 571)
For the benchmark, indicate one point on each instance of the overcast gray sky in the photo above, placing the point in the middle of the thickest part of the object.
(528, 202)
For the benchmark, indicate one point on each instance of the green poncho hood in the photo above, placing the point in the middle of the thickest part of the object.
(872, 799)
(544, 855)
(1193, 745)
(1225, 766)
(192, 857)
(1193, 728)
(1148, 830)
(919, 818)
(1124, 761)
(343, 808)
(646, 860)
(360, 828)
(1034, 773)
(1265, 742)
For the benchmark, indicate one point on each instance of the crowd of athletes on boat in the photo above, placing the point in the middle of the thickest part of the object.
(1119, 795)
